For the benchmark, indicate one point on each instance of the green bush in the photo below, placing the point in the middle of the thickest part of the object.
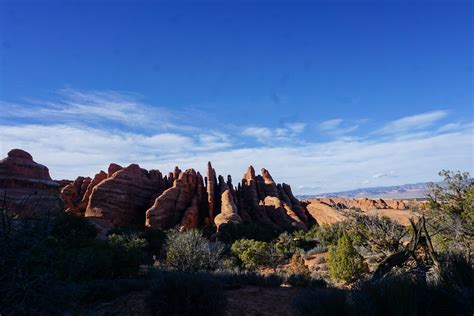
(286, 245)
(328, 234)
(189, 251)
(186, 294)
(252, 253)
(344, 262)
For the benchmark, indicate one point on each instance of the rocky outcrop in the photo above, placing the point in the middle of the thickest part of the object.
(169, 208)
(211, 183)
(363, 204)
(99, 177)
(113, 168)
(124, 197)
(135, 196)
(332, 210)
(229, 212)
(72, 194)
(26, 187)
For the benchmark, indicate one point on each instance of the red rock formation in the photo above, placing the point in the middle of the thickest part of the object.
(27, 187)
(123, 198)
(168, 209)
(229, 212)
(113, 168)
(211, 191)
(270, 186)
(135, 196)
(72, 194)
(99, 177)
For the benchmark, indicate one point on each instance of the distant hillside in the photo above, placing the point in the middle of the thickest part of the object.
(406, 191)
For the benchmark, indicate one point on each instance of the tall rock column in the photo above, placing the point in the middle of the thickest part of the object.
(211, 191)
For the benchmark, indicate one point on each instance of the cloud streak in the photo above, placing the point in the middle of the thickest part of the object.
(414, 122)
(408, 150)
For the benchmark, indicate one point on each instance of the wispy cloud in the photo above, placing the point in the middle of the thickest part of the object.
(93, 107)
(338, 127)
(414, 122)
(330, 125)
(265, 134)
(54, 134)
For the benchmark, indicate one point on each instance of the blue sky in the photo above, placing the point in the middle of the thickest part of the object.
(326, 95)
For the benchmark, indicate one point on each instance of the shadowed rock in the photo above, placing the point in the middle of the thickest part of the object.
(26, 187)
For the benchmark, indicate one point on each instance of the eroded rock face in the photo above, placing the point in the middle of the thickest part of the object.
(332, 210)
(135, 196)
(169, 208)
(229, 212)
(124, 197)
(211, 183)
(27, 187)
(72, 194)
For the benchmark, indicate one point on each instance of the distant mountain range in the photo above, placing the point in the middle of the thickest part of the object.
(405, 191)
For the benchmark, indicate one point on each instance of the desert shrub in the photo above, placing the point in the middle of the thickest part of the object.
(378, 236)
(328, 234)
(304, 280)
(72, 230)
(29, 283)
(186, 294)
(237, 279)
(228, 233)
(297, 265)
(405, 295)
(451, 213)
(285, 245)
(303, 241)
(155, 240)
(252, 253)
(155, 237)
(344, 262)
(316, 250)
(189, 251)
(128, 253)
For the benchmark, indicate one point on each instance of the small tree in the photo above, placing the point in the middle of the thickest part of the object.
(189, 251)
(252, 253)
(344, 262)
(377, 235)
(297, 265)
(451, 213)
(285, 245)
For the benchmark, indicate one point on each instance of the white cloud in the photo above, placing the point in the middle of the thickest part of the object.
(51, 133)
(72, 151)
(296, 127)
(330, 124)
(414, 122)
(95, 108)
(338, 127)
(265, 134)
